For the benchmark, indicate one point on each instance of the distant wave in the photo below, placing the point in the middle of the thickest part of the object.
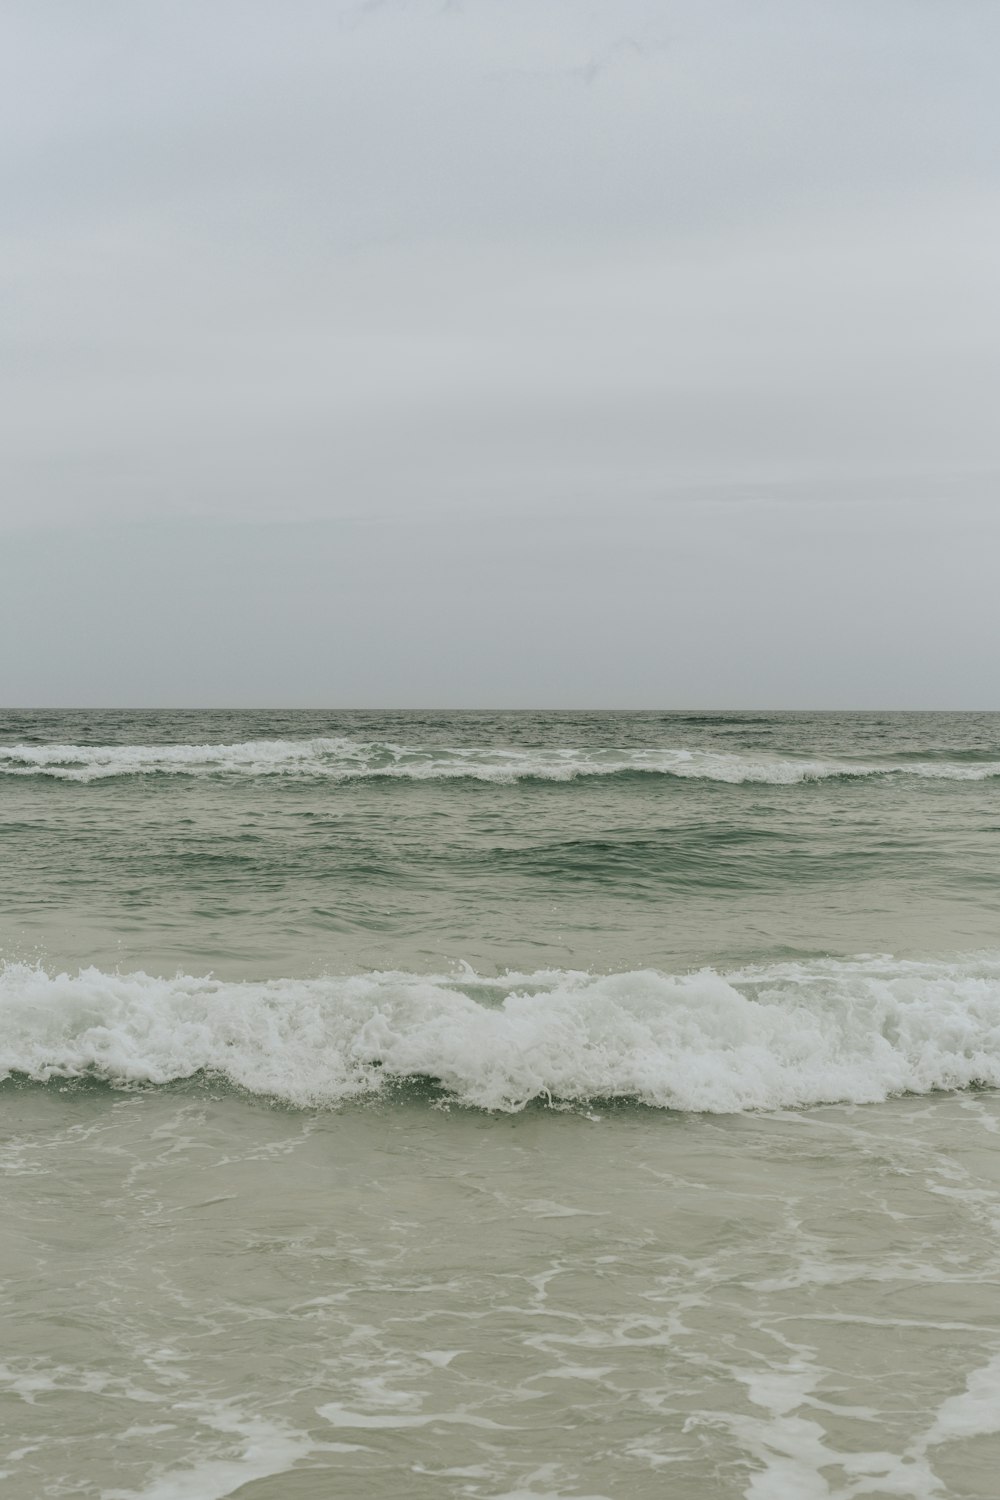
(784, 1035)
(342, 759)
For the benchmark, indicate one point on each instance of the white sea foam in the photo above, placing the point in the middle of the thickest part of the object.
(342, 759)
(789, 1034)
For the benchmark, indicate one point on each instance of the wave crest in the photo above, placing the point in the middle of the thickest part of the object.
(785, 1035)
(343, 759)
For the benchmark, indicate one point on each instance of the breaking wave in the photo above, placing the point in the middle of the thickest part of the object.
(343, 759)
(789, 1034)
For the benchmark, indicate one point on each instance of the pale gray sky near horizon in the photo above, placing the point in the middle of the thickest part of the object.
(499, 352)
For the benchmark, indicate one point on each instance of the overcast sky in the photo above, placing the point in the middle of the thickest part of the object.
(500, 352)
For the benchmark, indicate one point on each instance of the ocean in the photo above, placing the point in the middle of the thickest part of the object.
(415, 1104)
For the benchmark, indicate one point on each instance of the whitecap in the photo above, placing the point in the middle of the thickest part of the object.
(792, 1034)
(343, 759)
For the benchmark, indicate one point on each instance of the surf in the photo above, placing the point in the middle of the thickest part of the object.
(766, 1037)
(341, 758)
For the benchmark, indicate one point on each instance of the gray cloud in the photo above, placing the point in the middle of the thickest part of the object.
(451, 266)
(752, 600)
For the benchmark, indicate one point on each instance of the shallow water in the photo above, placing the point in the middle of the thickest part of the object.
(214, 1297)
(350, 1218)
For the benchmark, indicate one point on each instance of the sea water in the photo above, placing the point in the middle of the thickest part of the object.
(500, 1105)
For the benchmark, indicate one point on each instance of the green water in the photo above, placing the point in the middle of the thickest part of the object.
(288, 873)
(500, 1105)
